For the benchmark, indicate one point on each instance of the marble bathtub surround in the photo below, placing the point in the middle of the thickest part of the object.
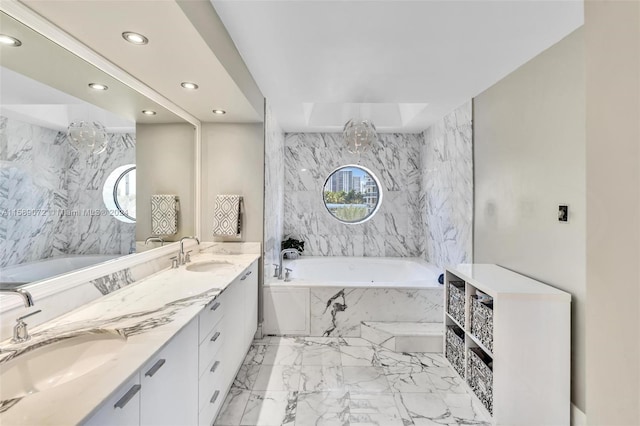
(42, 174)
(148, 313)
(387, 389)
(339, 312)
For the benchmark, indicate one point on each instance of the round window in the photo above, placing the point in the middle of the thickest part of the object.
(352, 194)
(119, 193)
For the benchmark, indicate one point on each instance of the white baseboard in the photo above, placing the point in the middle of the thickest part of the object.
(578, 418)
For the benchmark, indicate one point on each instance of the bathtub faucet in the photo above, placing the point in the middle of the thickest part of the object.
(282, 253)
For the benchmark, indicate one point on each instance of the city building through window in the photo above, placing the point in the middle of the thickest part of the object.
(352, 194)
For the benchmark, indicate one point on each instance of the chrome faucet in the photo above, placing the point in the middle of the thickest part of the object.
(282, 253)
(26, 296)
(181, 255)
(156, 239)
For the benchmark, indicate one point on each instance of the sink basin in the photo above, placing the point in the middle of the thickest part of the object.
(208, 266)
(52, 365)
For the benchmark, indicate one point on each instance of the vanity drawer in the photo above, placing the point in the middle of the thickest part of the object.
(210, 316)
(208, 413)
(209, 347)
(211, 380)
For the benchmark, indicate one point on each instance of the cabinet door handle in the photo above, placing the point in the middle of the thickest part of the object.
(215, 306)
(214, 367)
(153, 370)
(248, 273)
(215, 336)
(127, 396)
(214, 397)
(243, 278)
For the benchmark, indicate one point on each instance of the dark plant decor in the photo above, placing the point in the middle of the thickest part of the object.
(292, 243)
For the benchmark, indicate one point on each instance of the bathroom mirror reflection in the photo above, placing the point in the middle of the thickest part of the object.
(352, 194)
(54, 214)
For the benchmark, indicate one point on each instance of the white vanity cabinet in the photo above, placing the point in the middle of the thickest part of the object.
(163, 392)
(186, 382)
(235, 326)
(169, 392)
(122, 408)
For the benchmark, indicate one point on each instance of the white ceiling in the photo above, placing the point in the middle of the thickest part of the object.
(316, 61)
(176, 52)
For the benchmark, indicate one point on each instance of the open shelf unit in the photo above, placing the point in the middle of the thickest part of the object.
(509, 339)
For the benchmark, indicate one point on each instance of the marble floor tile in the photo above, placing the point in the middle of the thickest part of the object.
(403, 379)
(233, 408)
(365, 379)
(321, 355)
(287, 340)
(255, 354)
(431, 409)
(321, 378)
(283, 355)
(246, 376)
(330, 341)
(322, 409)
(357, 356)
(373, 409)
(354, 341)
(270, 408)
(277, 378)
(445, 380)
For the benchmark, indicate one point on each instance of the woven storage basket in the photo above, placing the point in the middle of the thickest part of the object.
(480, 379)
(482, 323)
(454, 349)
(455, 304)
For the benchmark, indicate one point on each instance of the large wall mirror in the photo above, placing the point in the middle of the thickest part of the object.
(80, 161)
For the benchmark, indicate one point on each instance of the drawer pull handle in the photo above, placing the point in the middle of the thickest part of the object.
(215, 336)
(127, 396)
(153, 370)
(248, 273)
(215, 306)
(214, 367)
(214, 397)
(243, 278)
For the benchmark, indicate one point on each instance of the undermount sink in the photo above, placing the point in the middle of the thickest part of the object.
(52, 365)
(208, 266)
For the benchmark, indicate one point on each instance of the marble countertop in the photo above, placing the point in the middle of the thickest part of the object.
(147, 313)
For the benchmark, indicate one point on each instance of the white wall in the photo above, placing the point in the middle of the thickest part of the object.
(233, 163)
(529, 157)
(612, 39)
(165, 154)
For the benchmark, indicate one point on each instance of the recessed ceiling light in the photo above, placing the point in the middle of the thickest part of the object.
(9, 41)
(219, 111)
(134, 38)
(98, 86)
(188, 85)
(148, 112)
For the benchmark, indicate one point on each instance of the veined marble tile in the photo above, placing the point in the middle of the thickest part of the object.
(283, 355)
(339, 312)
(431, 409)
(256, 354)
(445, 380)
(373, 409)
(270, 408)
(246, 377)
(277, 378)
(365, 379)
(357, 356)
(321, 355)
(233, 407)
(321, 378)
(323, 409)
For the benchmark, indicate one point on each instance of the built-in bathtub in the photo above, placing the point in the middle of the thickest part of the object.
(331, 296)
(15, 276)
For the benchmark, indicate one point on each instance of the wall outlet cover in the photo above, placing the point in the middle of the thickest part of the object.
(563, 213)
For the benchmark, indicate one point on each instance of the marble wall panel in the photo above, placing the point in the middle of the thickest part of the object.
(48, 188)
(309, 158)
(446, 194)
